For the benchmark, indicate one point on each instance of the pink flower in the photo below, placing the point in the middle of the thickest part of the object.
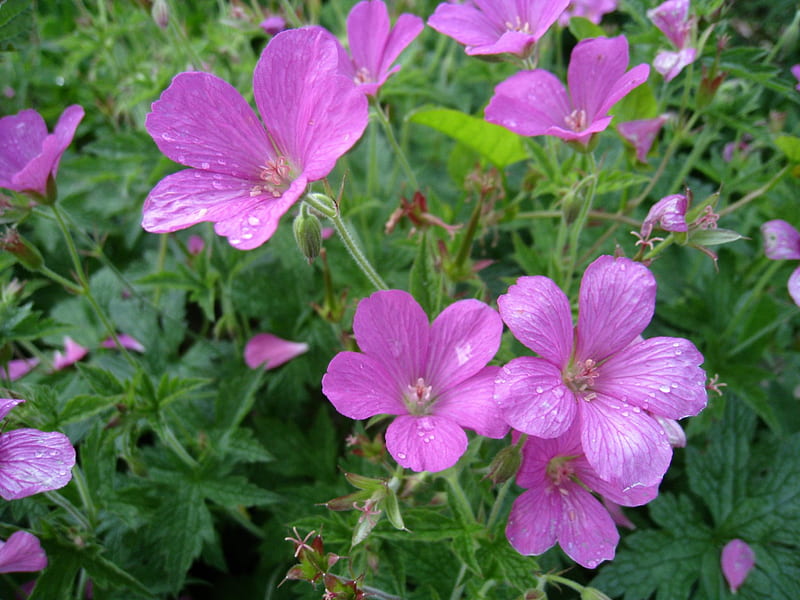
(737, 561)
(641, 134)
(432, 376)
(21, 552)
(536, 102)
(125, 341)
(672, 18)
(668, 214)
(782, 242)
(273, 24)
(29, 157)
(588, 9)
(796, 73)
(375, 45)
(558, 505)
(497, 26)
(32, 461)
(269, 351)
(19, 367)
(599, 375)
(73, 352)
(243, 177)
(195, 245)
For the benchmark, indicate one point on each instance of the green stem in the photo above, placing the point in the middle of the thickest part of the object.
(458, 588)
(84, 281)
(84, 493)
(469, 235)
(63, 281)
(498, 504)
(76, 514)
(458, 494)
(162, 259)
(755, 193)
(326, 207)
(168, 437)
(550, 578)
(580, 221)
(401, 156)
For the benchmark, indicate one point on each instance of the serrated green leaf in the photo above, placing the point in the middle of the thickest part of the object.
(108, 575)
(583, 28)
(101, 380)
(234, 491)
(81, 407)
(614, 181)
(171, 388)
(465, 548)
(500, 561)
(243, 447)
(57, 580)
(16, 22)
(498, 145)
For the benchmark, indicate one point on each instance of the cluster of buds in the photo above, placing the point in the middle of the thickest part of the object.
(416, 211)
(372, 449)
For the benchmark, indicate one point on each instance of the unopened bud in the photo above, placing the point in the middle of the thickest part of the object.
(505, 465)
(308, 233)
(590, 593)
(160, 13)
(27, 254)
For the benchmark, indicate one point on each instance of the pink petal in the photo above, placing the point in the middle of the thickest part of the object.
(529, 103)
(463, 338)
(781, 240)
(796, 72)
(794, 286)
(738, 559)
(359, 387)
(641, 134)
(125, 341)
(616, 302)
(465, 24)
(22, 552)
(73, 352)
(669, 214)
(538, 452)
(613, 491)
(623, 446)
(18, 368)
(617, 515)
(405, 31)
(367, 31)
(270, 351)
(471, 404)
(533, 397)
(201, 121)
(273, 25)
(533, 522)
(312, 112)
(33, 461)
(22, 135)
(661, 375)
(671, 17)
(675, 433)
(670, 64)
(510, 42)
(195, 245)
(586, 531)
(428, 443)
(7, 404)
(393, 329)
(538, 314)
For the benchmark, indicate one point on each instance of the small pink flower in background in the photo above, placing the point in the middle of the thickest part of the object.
(375, 45)
(738, 559)
(243, 177)
(676, 436)
(796, 73)
(21, 552)
(615, 512)
(29, 156)
(433, 377)
(668, 214)
(782, 242)
(558, 505)
(273, 24)
(125, 341)
(641, 134)
(588, 9)
(599, 374)
(195, 245)
(32, 461)
(19, 367)
(536, 102)
(491, 27)
(672, 18)
(269, 351)
(73, 352)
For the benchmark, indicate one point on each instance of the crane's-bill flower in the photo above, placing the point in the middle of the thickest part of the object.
(558, 505)
(433, 377)
(796, 73)
(73, 352)
(641, 134)
(273, 24)
(737, 560)
(497, 27)
(269, 351)
(21, 552)
(668, 214)
(537, 103)
(672, 18)
(29, 156)
(243, 177)
(375, 44)
(670, 63)
(588, 9)
(126, 341)
(19, 367)
(782, 242)
(32, 461)
(599, 375)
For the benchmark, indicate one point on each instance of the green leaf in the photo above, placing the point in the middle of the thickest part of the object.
(498, 145)
(583, 28)
(16, 22)
(714, 237)
(234, 491)
(243, 447)
(108, 575)
(102, 381)
(639, 103)
(790, 146)
(424, 282)
(171, 389)
(57, 580)
(81, 407)
(614, 181)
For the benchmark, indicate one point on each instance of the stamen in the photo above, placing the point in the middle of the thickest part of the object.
(576, 120)
(519, 25)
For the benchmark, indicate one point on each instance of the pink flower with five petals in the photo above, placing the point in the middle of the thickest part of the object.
(433, 377)
(599, 375)
(782, 242)
(243, 177)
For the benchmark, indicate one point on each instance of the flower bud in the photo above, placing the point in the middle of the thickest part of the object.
(27, 254)
(505, 465)
(160, 13)
(590, 593)
(308, 233)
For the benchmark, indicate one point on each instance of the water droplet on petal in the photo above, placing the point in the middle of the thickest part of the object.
(204, 165)
(539, 389)
(664, 388)
(401, 455)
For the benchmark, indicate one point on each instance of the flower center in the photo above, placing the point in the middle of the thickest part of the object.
(518, 25)
(418, 398)
(560, 470)
(580, 378)
(362, 76)
(576, 120)
(275, 178)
